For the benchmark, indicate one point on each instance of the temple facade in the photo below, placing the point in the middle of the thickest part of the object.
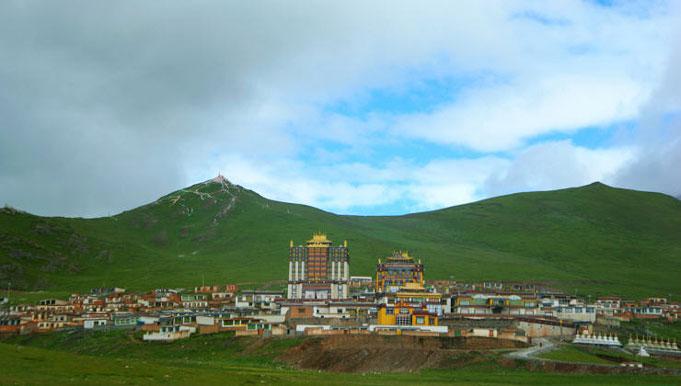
(404, 301)
(318, 269)
(396, 271)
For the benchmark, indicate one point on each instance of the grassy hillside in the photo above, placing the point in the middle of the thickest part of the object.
(593, 239)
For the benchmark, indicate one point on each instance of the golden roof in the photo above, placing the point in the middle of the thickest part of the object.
(412, 286)
(318, 239)
(400, 256)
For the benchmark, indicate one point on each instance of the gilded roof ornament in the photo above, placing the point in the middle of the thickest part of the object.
(318, 239)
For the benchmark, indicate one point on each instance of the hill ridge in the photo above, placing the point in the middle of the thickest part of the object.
(594, 238)
(227, 184)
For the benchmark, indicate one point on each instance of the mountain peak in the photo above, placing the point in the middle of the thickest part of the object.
(596, 185)
(220, 179)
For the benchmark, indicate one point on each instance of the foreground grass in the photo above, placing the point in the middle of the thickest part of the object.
(201, 350)
(604, 356)
(33, 366)
(118, 357)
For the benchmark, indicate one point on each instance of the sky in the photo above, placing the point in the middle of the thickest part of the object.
(355, 107)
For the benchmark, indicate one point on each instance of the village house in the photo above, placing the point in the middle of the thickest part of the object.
(481, 304)
(642, 310)
(330, 311)
(160, 299)
(534, 327)
(195, 301)
(574, 313)
(608, 305)
(218, 292)
(95, 324)
(10, 325)
(54, 306)
(218, 296)
(104, 292)
(261, 300)
(168, 331)
(124, 320)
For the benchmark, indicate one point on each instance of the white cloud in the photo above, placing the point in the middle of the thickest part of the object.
(181, 90)
(447, 182)
(357, 187)
(656, 169)
(428, 197)
(555, 165)
(502, 117)
(658, 136)
(586, 66)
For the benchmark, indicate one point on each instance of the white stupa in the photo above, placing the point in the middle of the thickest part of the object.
(642, 352)
(597, 339)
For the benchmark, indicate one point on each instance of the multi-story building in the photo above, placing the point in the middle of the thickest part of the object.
(404, 300)
(406, 314)
(396, 271)
(608, 305)
(485, 303)
(318, 270)
(642, 311)
(259, 299)
(194, 300)
(416, 294)
(585, 313)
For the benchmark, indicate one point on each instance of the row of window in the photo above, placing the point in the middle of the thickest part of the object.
(403, 320)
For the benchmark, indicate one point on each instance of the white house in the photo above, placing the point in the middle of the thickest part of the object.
(90, 324)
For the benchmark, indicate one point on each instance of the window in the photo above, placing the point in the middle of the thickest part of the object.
(420, 320)
(403, 320)
(390, 311)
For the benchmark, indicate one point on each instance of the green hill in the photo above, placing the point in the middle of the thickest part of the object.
(593, 239)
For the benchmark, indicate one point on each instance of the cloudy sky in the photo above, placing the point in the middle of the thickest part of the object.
(380, 107)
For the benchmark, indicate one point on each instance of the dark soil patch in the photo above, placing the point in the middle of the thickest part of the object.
(371, 353)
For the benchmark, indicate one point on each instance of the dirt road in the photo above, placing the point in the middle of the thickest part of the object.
(541, 345)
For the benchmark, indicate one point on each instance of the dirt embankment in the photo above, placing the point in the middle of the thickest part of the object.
(347, 353)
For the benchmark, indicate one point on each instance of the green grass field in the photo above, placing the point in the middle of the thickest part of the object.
(116, 358)
(590, 240)
(570, 353)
